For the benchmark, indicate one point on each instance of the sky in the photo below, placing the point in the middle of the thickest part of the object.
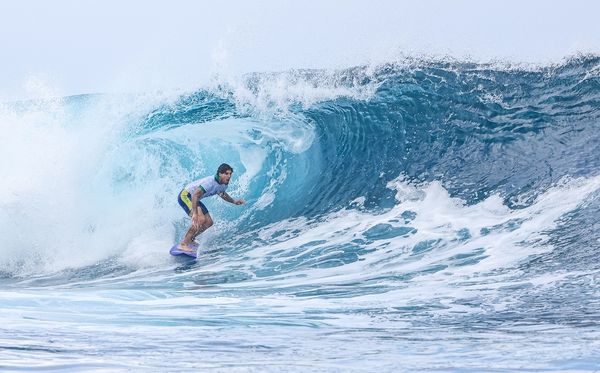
(67, 47)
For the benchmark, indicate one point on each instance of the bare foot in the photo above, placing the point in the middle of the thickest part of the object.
(186, 248)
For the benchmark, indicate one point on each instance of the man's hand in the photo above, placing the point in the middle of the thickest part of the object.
(239, 202)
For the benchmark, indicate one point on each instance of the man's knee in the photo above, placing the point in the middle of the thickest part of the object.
(201, 220)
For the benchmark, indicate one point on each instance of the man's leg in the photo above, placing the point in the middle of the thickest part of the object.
(208, 222)
(193, 231)
(184, 200)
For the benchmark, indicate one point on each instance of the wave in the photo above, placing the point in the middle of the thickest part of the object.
(93, 179)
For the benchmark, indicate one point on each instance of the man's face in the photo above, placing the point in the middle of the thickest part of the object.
(225, 177)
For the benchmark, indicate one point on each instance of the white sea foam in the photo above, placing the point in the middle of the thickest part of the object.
(59, 205)
(501, 237)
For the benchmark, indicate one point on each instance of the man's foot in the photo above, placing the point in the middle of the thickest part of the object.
(187, 248)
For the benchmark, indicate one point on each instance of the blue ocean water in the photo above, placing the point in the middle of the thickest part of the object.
(419, 215)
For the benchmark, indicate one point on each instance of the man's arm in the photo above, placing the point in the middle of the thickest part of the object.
(228, 198)
(195, 198)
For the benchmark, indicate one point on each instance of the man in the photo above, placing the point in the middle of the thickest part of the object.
(190, 197)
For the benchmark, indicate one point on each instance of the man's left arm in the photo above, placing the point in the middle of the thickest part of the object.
(228, 198)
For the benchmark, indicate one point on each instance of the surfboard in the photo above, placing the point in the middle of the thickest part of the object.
(176, 250)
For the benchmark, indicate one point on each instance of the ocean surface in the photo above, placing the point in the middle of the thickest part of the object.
(426, 214)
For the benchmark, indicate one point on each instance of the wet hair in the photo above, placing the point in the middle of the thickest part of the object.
(224, 167)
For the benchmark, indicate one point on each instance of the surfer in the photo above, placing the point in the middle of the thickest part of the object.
(189, 200)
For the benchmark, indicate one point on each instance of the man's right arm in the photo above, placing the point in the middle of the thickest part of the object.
(195, 198)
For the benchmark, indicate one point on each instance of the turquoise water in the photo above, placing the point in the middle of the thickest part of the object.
(424, 215)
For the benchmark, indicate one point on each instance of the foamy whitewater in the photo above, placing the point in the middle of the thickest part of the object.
(419, 215)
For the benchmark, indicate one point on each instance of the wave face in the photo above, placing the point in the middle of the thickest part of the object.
(423, 214)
